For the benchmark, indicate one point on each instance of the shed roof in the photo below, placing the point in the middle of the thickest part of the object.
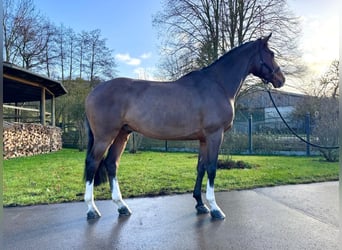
(21, 85)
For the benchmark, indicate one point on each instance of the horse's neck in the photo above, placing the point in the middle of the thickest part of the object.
(232, 71)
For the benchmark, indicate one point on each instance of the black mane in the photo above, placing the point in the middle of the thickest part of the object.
(224, 57)
(230, 53)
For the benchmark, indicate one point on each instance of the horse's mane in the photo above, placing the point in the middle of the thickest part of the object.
(224, 57)
(230, 53)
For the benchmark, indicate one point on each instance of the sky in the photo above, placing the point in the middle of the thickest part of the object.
(127, 26)
(319, 42)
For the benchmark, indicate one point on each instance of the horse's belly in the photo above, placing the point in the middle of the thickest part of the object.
(166, 129)
(178, 115)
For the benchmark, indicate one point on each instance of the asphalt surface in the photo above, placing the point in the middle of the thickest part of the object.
(284, 217)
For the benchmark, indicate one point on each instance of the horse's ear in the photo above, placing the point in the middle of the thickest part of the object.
(265, 39)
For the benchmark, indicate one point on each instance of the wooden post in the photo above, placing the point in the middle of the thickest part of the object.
(42, 107)
(53, 111)
(16, 113)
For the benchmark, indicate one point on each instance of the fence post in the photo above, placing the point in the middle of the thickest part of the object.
(307, 131)
(166, 146)
(133, 149)
(250, 140)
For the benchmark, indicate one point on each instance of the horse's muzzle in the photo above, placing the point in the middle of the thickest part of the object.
(278, 80)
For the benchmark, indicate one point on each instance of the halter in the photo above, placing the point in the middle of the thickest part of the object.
(271, 71)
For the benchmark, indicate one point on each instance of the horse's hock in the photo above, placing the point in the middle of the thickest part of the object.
(26, 139)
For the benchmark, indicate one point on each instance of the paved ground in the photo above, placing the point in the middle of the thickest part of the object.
(285, 217)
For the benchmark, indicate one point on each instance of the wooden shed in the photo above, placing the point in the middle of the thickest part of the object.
(21, 85)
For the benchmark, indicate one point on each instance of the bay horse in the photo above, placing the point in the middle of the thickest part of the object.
(198, 106)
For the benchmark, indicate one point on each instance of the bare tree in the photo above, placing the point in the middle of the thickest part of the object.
(81, 48)
(327, 120)
(71, 47)
(322, 104)
(192, 32)
(326, 127)
(197, 32)
(28, 36)
(50, 54)
(62, 51)
(33, 42)
(100, 61)
(14, 15)
(328, 84)
(66, 40)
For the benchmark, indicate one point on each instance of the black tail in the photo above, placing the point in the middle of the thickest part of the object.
(100, 172)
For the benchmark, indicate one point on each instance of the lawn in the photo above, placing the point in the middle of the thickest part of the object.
(58, 177)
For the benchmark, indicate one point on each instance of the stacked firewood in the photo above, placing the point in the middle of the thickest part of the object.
(26, 139)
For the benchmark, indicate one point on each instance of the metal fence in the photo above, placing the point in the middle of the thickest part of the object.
(269, 136)
(257, 136)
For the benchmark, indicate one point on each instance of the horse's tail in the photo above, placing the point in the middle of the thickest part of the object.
(100, 173)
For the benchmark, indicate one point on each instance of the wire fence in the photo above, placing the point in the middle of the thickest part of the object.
(264, 137)
(256, 135)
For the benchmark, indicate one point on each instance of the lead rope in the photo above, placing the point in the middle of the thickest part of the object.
(294, 132)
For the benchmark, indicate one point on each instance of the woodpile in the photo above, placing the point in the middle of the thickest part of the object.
(26, 139)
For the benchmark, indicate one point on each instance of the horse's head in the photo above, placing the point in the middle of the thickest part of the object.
(265, 65)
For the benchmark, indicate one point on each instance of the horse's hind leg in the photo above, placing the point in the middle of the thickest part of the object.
(112, 163)
(92, 212)
(94, 157)
(197, 194)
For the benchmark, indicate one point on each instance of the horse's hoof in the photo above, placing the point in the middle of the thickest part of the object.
(217, 215)
(202, 209)
(93, 215)
(124, 211)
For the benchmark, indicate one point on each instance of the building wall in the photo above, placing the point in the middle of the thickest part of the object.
(257, 102)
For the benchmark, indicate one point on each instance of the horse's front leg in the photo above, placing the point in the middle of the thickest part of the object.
(213, 146)
(215, 211)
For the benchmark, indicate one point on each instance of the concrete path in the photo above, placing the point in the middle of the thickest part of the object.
(284, 217)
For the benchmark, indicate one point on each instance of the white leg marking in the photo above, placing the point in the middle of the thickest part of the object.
(210, 195)
(116, 195)
(89, 198)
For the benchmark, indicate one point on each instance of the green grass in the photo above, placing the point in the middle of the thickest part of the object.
(58, 177)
